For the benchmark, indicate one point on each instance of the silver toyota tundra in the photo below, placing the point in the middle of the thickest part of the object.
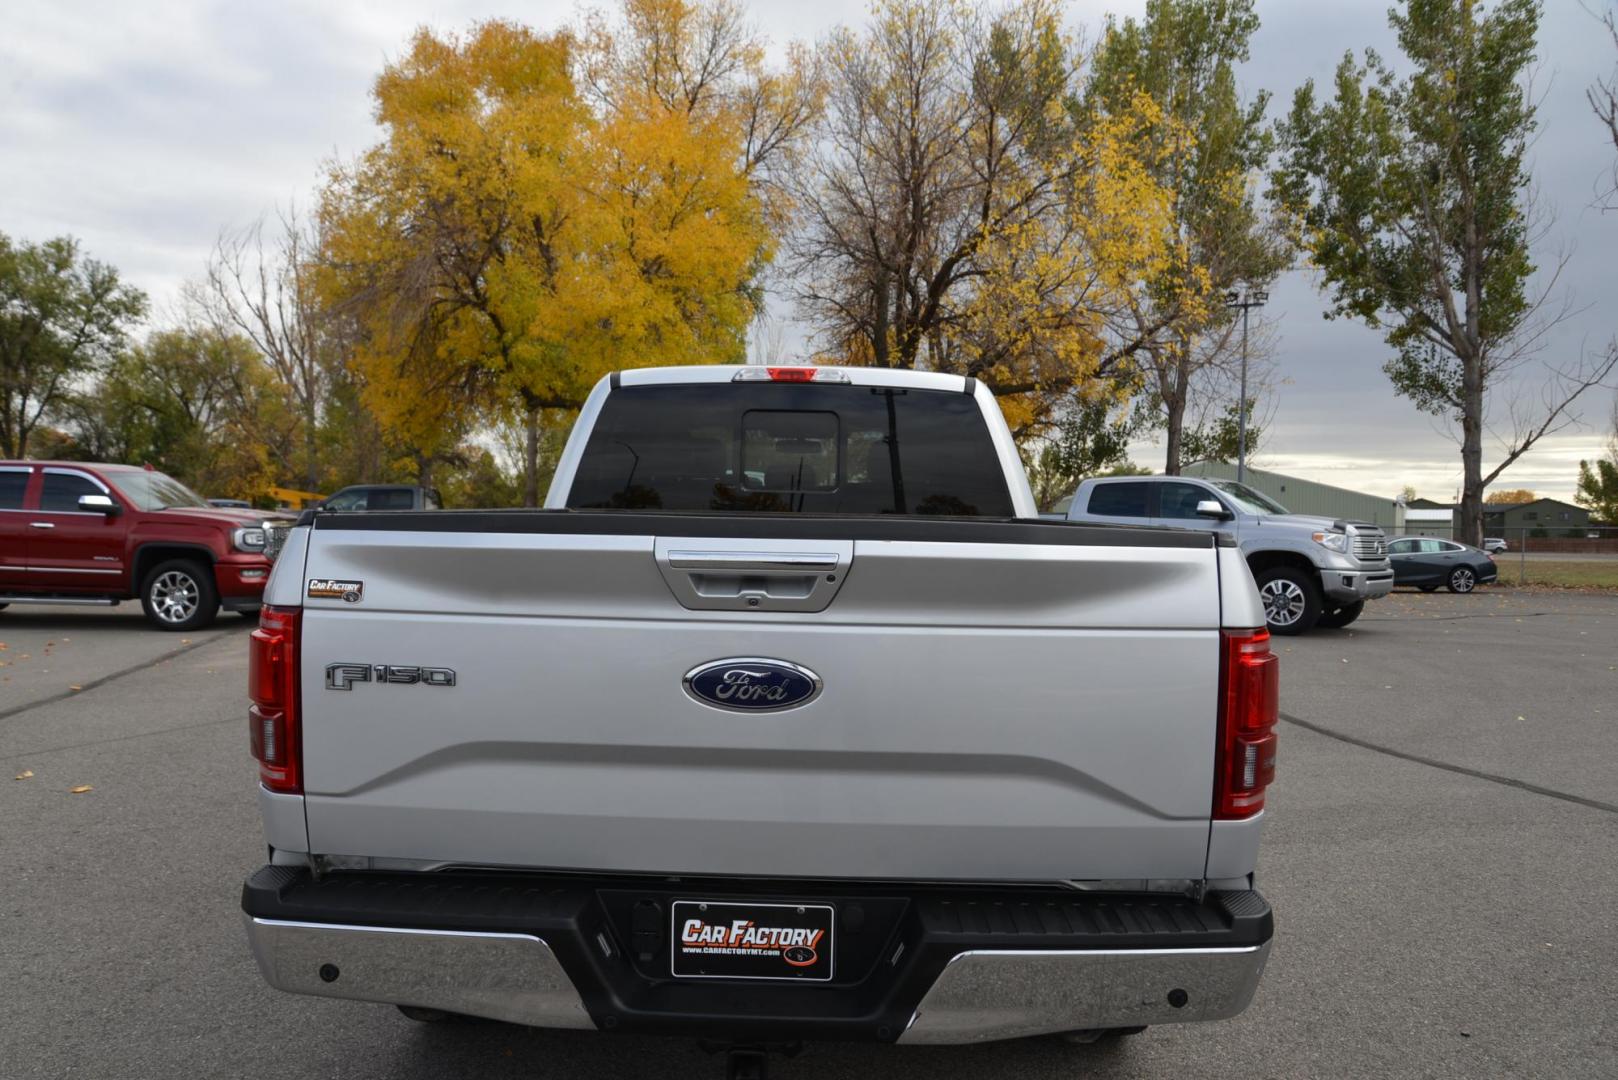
(1311, 571)
(786, 719)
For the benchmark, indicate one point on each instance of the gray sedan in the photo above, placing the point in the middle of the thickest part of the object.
(1427, 563)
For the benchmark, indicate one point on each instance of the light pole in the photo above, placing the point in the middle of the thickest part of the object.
(1246, 299)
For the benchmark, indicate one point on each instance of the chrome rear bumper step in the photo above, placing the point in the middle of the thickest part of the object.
(982, 996)
(511, 977)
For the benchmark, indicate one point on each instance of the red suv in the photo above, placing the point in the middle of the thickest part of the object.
(73, 533)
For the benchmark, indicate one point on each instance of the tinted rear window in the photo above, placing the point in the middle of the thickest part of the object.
(13, 484)
(791, 448)
(391, 499)
(1118, 500)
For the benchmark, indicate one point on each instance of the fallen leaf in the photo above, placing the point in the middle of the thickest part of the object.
(1522, 718)
(25, 774)
(75, 688)
(185, 641)
(81, 789)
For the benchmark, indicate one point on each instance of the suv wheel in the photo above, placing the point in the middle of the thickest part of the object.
(179, 595)
(1339, 617)
(1291, 600)
(1462, 580)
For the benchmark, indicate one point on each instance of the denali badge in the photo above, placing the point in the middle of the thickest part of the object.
(344, 676)
(752, 684)
(332, 589)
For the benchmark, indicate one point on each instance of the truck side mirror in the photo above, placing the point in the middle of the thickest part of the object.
(1213, 508)
(99, 504)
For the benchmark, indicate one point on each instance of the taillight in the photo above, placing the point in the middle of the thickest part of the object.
(1249, 699)
(272, 684)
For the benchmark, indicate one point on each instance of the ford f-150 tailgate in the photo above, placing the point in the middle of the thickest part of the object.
(977, 700)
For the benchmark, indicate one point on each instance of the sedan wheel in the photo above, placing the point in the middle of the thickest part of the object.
(1462, 580)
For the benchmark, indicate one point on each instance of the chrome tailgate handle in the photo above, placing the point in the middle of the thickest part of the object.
(789, 561)
(753, 575)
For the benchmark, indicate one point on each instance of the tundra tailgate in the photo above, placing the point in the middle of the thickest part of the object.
(996, 701)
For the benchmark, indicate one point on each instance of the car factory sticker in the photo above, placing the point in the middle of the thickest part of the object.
(332, 589)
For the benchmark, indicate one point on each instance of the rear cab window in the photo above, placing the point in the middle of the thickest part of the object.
(13, 487)
(1127, 500)
(391, 499)
(791, 448)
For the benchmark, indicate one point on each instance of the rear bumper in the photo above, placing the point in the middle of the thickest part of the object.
(1352, 586)
(915, 964)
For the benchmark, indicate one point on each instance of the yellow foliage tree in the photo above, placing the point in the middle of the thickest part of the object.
(1510, 497)
(509, 241)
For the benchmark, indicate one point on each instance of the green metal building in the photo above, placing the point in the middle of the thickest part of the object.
(1306, 496)
(1542, 517)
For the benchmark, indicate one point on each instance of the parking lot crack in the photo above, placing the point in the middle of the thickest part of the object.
(84, 688)
(1476, 774)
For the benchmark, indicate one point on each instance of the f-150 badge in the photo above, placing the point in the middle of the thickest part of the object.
(344, 676)
(332, 589)
(752, 684)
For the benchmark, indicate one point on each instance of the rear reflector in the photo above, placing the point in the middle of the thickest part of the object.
(272, 684)
(1249, 704)
(790, 374)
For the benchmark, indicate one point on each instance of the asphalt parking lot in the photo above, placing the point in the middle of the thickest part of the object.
(1442, 855)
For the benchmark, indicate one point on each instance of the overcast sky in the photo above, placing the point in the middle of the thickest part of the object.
(143, 128)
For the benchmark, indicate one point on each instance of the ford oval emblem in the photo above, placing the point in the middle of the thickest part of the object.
(752, 684)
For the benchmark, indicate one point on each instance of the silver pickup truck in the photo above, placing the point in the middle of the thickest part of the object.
(785, 720)
(1311, 571)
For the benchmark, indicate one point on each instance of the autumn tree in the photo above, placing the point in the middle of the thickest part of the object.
(512, 239)
(62, 316)
(958, 218)
(704, 60)
(1510, 497)
(1411, 197)
(1184, 53)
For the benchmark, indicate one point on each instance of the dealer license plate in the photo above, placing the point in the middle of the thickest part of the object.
(725, 940)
